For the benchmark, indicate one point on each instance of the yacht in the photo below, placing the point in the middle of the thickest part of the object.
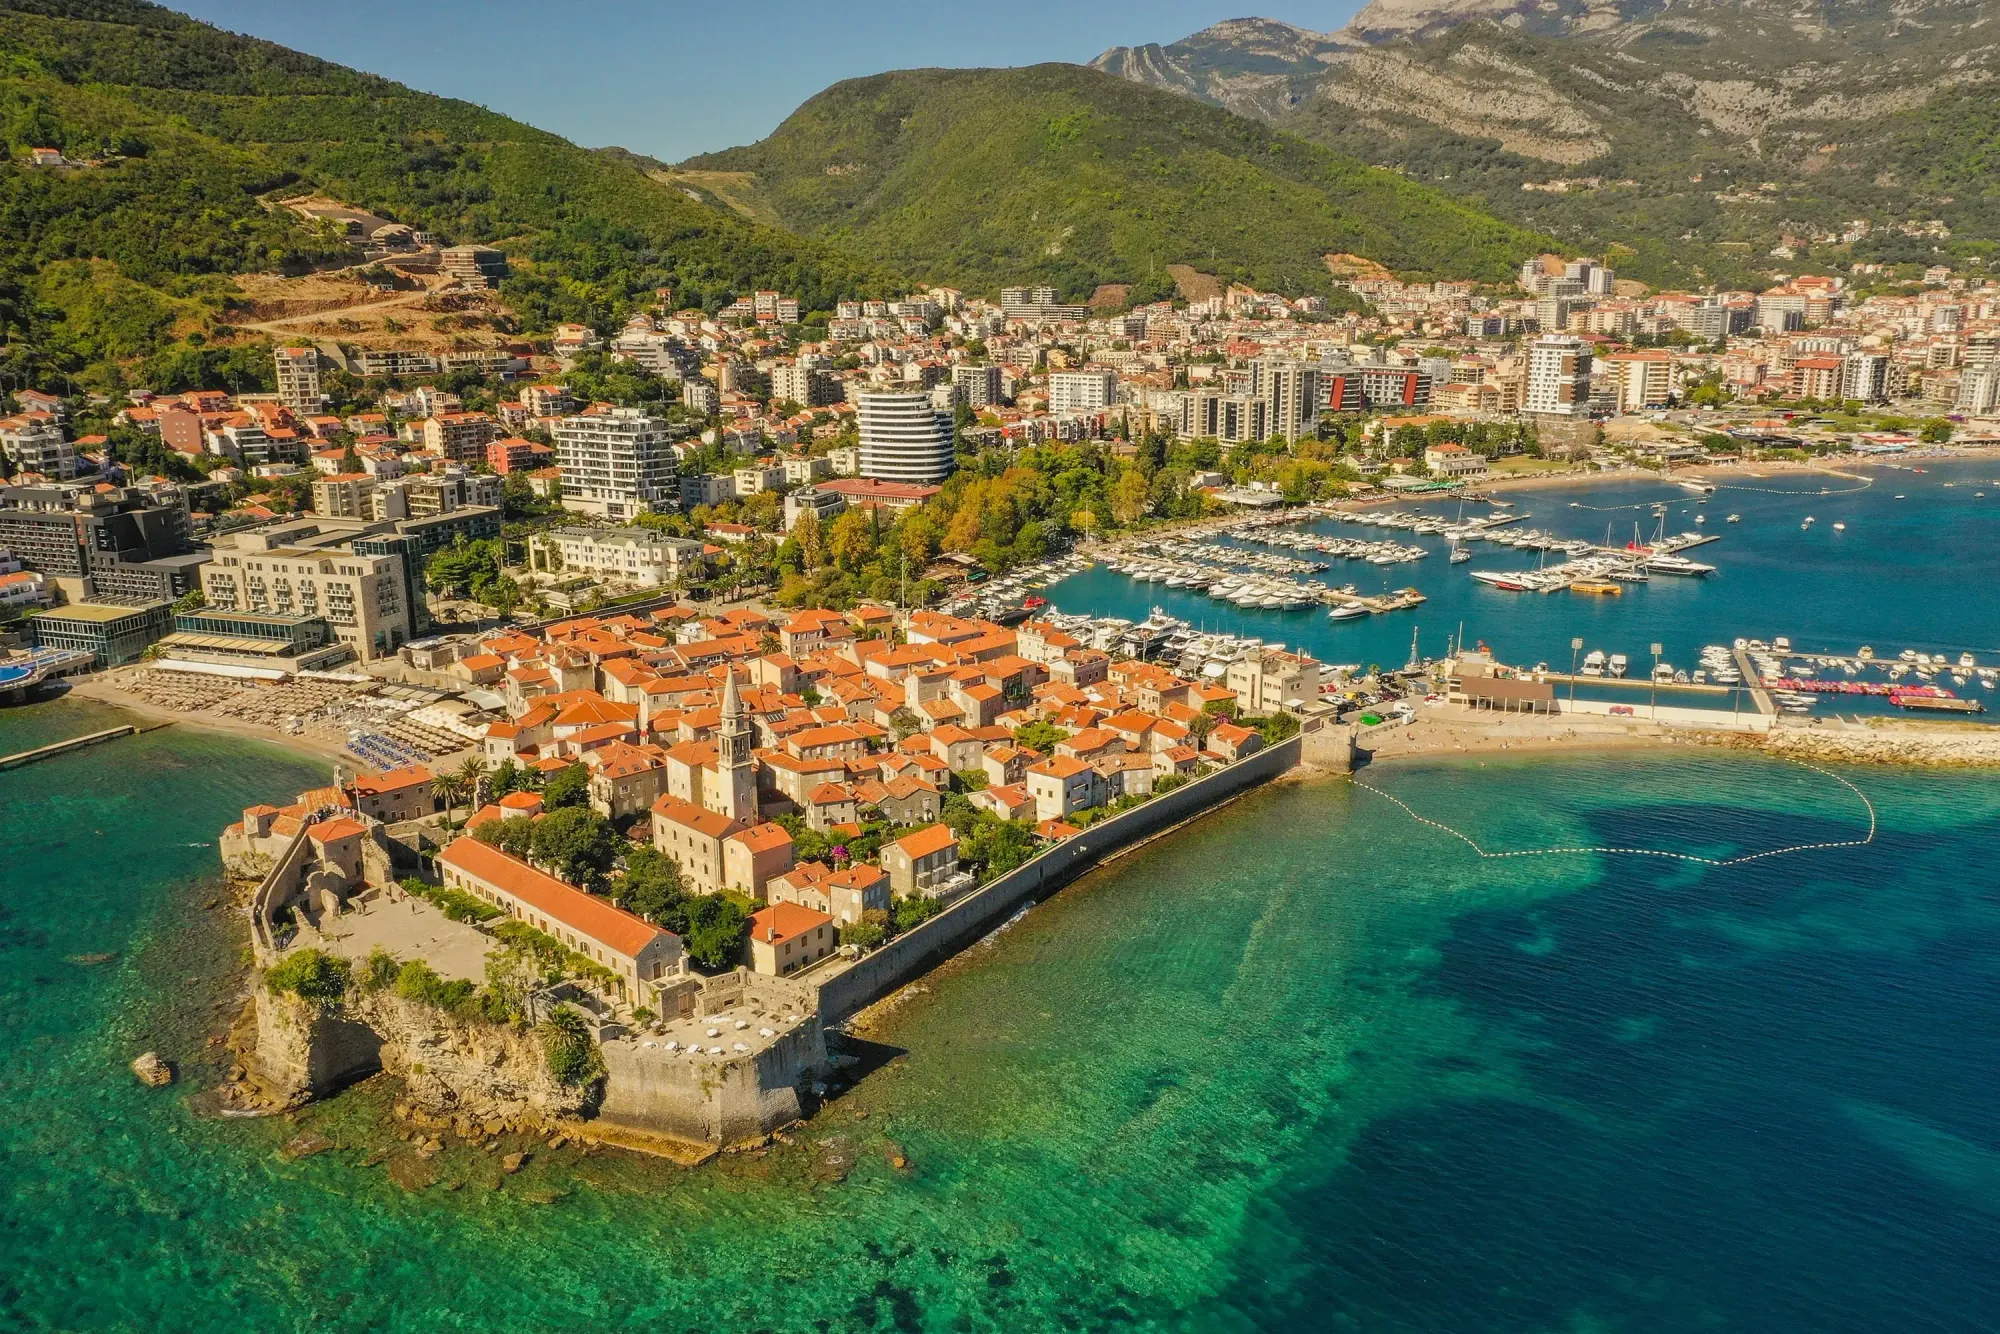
(1680, 565)
(1616, 665)
(1734, 518)
(1593, 663)
(1347, 611)
(1459, 555)
(1967, 661)
(1840, 528)
(1782, 644)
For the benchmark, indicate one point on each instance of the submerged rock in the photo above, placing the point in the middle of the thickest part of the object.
(305, 1146)
(153, 1072)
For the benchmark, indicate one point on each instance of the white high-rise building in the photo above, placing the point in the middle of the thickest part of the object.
(616, 463)
(1291, 394)
(1559, 369)
(904, 438)
(1865, 376)
(1082, 391)
(298, 379)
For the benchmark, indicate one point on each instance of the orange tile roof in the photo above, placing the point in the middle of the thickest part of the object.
(780, 922)
(328, 830)
(924, 842)
(763, 838)
(615, 928)
(712, 823)
(392, 780)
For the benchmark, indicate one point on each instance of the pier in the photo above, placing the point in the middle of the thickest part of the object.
(1753, 681)
(55, 748)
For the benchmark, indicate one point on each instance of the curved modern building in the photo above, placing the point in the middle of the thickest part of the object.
(904, 438)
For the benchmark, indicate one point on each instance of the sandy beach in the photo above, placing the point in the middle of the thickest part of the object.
(102, 688)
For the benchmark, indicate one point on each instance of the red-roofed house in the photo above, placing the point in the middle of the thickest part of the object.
(693, 836)
(635, 950)
(397, 794)
(925, 862)
(1063, 785)
(753, 857)
(785, 937)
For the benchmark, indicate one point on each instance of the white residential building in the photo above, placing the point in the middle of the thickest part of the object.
(1082, 391)
(1559, 369)
(298, 379)
(638, 556)
(616, 463)
(904, 438)
(35, 443)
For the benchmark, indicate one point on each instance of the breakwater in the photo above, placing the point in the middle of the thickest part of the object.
(20, 759)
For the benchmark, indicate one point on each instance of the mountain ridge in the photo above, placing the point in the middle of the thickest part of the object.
(1057, 173)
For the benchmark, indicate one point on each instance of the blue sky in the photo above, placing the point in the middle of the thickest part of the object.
(674, 77)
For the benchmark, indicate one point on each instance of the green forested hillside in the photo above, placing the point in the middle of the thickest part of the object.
(1063, 174)
(199, 130)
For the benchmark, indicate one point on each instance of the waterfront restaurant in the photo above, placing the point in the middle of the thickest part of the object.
(1508, 694)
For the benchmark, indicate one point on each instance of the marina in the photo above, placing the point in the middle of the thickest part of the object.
(1887, 579)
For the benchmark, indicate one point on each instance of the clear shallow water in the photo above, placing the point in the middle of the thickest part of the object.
(1306, 1065)
(1919, 572)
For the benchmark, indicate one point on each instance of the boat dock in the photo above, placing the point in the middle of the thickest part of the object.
(55, 748)
(1753, 681)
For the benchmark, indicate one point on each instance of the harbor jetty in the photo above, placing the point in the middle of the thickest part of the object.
(55, 748)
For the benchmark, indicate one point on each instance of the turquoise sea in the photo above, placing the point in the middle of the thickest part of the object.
(1305, 1065)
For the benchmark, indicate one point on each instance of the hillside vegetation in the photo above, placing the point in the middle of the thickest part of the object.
(197, 131)
(1066, 175)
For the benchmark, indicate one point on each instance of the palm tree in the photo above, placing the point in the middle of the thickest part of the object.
(471, 776)
(447, 789)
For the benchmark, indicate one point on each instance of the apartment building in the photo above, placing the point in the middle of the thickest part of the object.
(1639, 381)
(904, 438)
(617, 463)
(1081, 392)
(638, 556)
(298, 379)
(461, 437)
(1559, 374)
(34, 442)
(979, 386)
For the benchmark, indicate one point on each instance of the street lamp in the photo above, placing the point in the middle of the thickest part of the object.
(1656, 683)
(1575, 647)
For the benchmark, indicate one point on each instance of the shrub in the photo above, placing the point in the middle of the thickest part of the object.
(573, 1059)
(418, 981)
(864, 935)
(380, 970)
(914, 910)
(311, 975)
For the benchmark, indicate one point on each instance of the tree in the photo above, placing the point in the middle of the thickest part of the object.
(1041, 736)
(575, 844)
(1935, 431)
(1129, 496)
(652, 885)
(715, 926)
(471, 775)
(448, 790)
(569, 786)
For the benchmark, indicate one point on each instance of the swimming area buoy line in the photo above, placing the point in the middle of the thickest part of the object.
(1472, 843)
(1866, 483)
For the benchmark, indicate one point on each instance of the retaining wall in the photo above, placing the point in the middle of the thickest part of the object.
(922, 948)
